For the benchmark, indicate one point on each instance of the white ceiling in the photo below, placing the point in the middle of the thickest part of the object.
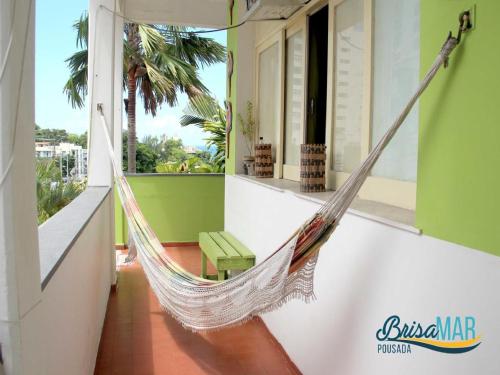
(200, 13)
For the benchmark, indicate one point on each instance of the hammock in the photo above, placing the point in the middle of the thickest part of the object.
(200, 304)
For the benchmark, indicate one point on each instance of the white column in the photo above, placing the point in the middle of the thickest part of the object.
(118, 84)
(105, 86)
(245, 84)
(118, 112)
(20, 285)
(103, 25)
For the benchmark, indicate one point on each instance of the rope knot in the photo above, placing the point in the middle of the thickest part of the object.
(447, 48)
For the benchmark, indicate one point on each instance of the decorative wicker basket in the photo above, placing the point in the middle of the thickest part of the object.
(263, 160)
(312, 168)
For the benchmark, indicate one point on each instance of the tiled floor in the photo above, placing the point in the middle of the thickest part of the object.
(140, 338)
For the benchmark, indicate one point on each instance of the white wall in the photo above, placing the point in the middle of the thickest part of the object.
(245, 83)
(74, 301)
(366, 272)
(204, 13)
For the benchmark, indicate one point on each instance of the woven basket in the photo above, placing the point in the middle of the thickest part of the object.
(312, 168)
(263, 160)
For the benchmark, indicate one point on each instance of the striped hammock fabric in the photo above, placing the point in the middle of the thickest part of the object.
(200, 304)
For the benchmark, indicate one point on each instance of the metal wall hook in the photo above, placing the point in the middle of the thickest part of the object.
(465, 20)
(465, 24)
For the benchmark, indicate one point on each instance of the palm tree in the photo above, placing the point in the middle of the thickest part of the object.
(52, 191)
(207, 114)
(158, 62)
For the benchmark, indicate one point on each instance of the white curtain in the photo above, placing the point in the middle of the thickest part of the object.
(294, 115)
(395, 78)
(349, 65)
(269, 93)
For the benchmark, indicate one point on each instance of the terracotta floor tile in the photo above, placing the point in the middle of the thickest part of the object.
(139, 338)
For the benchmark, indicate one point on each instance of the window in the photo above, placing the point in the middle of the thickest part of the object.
(269, 94)
(372, 70)
(294, 100)
(376, 70)
(349, 66)
(317, 72)
(306, 69)
(395, 79)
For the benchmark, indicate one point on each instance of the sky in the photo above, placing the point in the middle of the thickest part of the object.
(55, 42)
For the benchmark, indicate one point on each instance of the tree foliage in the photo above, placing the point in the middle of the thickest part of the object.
(206, 113)
(152, 151)
(60, 135)
(167, 149)
(52, 191)
(146, 158)
(191, 165)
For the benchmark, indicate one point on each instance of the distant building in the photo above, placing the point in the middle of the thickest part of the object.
(191, 150)
(45, 149)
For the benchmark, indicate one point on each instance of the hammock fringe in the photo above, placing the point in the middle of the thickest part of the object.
(305, 294)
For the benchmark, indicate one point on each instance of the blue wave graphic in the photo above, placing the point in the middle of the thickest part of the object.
(439, 348)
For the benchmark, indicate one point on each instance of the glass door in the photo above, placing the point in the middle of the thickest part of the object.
(317, 71)
(349, 84)
(295, 55)
(268, 89)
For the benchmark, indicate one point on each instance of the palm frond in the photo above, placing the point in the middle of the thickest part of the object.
(76, 86)
(202, 109)
(198, 51)
(205, 113)
(151, 40)
(82, 31)
(52, 192)
(164, 58)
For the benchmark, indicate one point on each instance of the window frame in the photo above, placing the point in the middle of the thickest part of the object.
(278, 38)
(292, 172)
(385, 190)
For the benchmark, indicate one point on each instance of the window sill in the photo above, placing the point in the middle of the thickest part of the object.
(393, 216)
(57, 235)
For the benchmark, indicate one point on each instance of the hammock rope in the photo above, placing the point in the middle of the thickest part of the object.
(200, 304)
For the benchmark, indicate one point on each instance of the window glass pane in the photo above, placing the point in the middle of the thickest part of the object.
(269, 92)
(349, 37)
(395, 79)
(294, 116)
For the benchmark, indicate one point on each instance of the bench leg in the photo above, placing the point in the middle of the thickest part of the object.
(221, 275)
(203, 265)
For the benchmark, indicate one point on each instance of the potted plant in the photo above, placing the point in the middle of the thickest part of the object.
(247, 126)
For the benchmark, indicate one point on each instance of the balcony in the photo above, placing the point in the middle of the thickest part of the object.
(138, 336)
(68, 304)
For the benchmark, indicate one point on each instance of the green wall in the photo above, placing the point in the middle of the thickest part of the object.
(458, 189)
(178, 207)
(232, 45)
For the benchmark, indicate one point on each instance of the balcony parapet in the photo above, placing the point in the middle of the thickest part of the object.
(58, 234)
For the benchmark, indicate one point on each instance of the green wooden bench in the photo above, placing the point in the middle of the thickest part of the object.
(225, 252)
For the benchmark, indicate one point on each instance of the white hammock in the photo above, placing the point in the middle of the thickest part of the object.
(201, 304)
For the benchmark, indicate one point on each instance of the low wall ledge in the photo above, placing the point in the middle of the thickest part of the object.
(58, 234)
